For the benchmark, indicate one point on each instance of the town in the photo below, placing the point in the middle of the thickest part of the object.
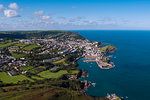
(53, 56)
(31, 57)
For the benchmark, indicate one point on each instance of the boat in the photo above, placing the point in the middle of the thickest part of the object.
(93, 84)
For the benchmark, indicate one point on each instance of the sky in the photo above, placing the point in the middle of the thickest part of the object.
(74, 15)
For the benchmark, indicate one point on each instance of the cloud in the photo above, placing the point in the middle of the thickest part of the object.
(13, 6)
(46, 17)
(10, 13)
(41, 12)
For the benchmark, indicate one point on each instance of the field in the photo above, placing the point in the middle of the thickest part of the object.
(2, 44)
(21, 44)
(17, 55)
(74, 71)
(37, 78)
(60, 61)
(42, 92)
(48, 74)
(30, 47)
(12, 79)
(33, 71)
(26, 68)
(43, 67)
(108, 47)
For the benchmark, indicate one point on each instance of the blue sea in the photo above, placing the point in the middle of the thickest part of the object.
(131, 75)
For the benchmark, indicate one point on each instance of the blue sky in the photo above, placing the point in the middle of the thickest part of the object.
(74, 14)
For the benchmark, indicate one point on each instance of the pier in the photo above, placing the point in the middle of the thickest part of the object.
(89, 61)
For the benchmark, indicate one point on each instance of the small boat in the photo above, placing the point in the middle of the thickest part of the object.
(93, 84)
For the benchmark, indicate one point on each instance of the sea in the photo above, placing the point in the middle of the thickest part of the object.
(130, 78)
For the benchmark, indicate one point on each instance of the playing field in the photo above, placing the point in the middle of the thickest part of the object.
(12, 79)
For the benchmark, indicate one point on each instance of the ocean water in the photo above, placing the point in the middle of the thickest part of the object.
(131, 75)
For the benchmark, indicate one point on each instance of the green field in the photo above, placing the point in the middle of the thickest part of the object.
(43, 67)
(2, 44)
(108, 47)
(21, 44)
(17, 55)
(48, 74)
(74, 71)
(26, 68)
(60, 61)
(30, 47)
(12, 79)
(33, 71)
(37, 78)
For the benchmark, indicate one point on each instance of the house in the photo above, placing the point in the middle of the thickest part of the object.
(25, 41)
(23, 72)
(1, 39)
(52, 59)
(12, 73)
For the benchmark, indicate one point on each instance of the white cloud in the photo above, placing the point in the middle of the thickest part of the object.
(45, 17)
(41, 12)
(10, 13)
(13, 6)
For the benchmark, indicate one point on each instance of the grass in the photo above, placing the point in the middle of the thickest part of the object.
(27, 68)
(17, 55)
(21, 44)
(33, 71)
(60, 61)
(48, 74)
(2, 44)
(30, 47)
(12, 79)
(74, 71)
(37, 78)
(108, 47)
(43, 67)
(42, 93)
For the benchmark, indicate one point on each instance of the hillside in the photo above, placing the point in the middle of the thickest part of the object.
(38, 34)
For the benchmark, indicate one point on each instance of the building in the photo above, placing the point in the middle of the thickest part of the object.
(12, 73)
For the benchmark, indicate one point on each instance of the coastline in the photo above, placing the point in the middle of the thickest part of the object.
(101, 64)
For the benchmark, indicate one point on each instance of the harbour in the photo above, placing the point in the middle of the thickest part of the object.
(130, 76)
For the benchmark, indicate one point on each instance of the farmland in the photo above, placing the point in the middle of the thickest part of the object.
(21, 44)
(48, 74)
(12, 79)
(60, 61)
(2, 44)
